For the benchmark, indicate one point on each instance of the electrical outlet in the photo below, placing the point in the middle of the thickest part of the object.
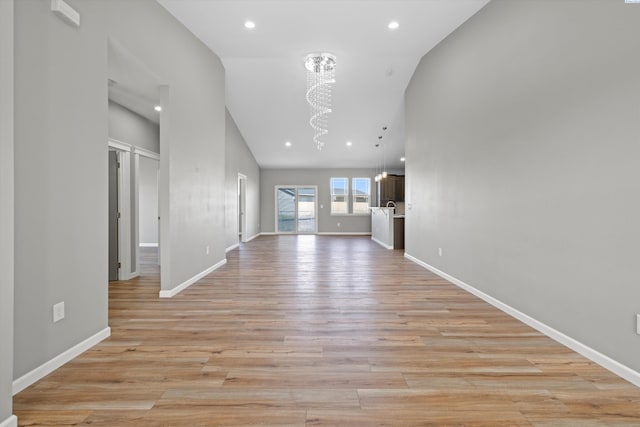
(321, 206)
(58, 312)
(439, 251)
(638, 324)
(338, 224)
(207, 250)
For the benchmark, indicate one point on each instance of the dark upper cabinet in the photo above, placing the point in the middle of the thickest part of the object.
(399, 188)
(392, 188)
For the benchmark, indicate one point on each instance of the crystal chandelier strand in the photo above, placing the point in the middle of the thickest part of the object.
(320, 76)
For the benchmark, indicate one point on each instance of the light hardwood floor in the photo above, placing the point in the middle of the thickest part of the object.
(322, 331)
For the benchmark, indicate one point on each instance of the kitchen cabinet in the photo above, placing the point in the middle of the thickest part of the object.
(391, 188)
(398, 232)
(399, 188)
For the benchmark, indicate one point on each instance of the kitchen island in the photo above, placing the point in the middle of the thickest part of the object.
(382, 226)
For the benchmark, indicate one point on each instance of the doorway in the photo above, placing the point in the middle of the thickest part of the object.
(296, 209)
(147, 203)
(114, 210)
(120, 262)
(242, 204)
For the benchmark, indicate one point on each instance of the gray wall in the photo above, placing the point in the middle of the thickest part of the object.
(148, 198)
(239, 159)
(522, 164)
(6, 208)
(129, 127)
(327, 223)
(60, 161)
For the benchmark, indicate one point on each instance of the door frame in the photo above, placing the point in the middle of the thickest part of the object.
(242, 208)
(137, 152)
(123, 152)
(128, 235)
(295, 206)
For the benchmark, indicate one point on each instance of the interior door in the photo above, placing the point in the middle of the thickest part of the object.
(113, 215)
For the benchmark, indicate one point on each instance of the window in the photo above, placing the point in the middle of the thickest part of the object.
(358, 203)
(339, 195)
(361, 190)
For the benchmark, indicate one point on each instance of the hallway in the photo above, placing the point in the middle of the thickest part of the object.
(321, 330)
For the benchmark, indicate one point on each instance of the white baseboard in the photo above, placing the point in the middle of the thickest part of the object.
(148, 245)
(133, 275)
(184, 285)
(384, 245)
(321, 233)
(252, 237)
(345, 233)
(232, 247)
(46, 368)
(12, 421)
(588, 352)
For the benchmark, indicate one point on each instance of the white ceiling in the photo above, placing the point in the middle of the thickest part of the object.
(266, 78)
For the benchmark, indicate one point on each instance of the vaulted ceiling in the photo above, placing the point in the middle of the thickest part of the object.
(266, 77)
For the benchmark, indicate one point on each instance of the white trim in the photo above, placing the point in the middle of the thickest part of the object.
(135, 244)
(353, 196)
(184, 285)
(269, 233)
(123, 154)
(252, 237)
(345, 233)
(588, 352)
(124, 275)
(46, 368)
(12, 421)
(347, 187)
(146, 153)
(119, 145)
(384, 245)
(124, 209)
(232, 247)
(242, 207)
(148, 245)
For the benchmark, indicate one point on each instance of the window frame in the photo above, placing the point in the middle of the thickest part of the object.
(349, 196)
(332, 194)
(354, 195)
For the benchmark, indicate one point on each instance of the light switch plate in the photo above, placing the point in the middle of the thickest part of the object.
(58, 312)
(638, 324)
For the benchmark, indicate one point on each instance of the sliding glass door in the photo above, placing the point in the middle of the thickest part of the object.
(296, 209)
(286, 207)
(306, 210)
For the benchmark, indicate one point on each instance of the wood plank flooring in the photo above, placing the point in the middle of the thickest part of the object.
(319, 330)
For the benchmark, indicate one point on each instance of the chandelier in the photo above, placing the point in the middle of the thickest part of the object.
(320, 76)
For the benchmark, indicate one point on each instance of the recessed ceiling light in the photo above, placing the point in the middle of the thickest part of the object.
(349, 143)
(402, 159)
(288, 144)
(393, 25)
(158, 108)
(250, 25)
